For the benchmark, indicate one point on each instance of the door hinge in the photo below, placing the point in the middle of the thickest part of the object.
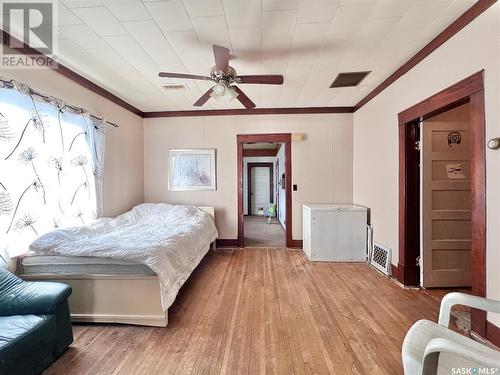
(417, 261)
(417, 146)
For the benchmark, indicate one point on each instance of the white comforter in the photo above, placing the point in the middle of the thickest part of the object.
(169, 239)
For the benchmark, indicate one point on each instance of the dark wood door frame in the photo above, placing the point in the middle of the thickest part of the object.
(469, 90)
(249, 182)
(286, 139)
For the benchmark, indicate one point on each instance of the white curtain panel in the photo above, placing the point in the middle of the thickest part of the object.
(51, 166)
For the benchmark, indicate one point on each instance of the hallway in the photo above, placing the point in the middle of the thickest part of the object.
(258, 233)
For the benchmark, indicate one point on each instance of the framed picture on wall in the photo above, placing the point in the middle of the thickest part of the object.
(192, 169)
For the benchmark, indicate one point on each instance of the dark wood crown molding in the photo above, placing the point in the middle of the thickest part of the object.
(75, 77)
(470, 15)
(254, 111)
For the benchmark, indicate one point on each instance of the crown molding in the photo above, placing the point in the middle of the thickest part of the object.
(246, 112)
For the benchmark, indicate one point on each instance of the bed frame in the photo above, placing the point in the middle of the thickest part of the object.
(103, 299)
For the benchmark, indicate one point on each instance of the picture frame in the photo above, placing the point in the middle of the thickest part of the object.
(192, 169)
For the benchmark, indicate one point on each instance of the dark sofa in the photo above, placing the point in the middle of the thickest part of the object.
(35, 325)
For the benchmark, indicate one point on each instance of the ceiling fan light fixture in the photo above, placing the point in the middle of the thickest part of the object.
(218, 90)
(231, 94)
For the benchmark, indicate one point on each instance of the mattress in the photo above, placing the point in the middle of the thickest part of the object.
(67, 265)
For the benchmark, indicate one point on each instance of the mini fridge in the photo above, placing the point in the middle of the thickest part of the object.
(335, 232)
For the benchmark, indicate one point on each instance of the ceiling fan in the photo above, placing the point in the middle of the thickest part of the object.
(225, 77)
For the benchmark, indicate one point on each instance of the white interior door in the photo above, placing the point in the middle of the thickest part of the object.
(260, 193)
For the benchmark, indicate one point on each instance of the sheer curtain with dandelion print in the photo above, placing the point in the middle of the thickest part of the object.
(51, 159)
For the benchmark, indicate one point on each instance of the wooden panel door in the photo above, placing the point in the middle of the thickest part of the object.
(446, 204)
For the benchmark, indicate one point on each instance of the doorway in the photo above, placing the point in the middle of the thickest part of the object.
(264, 190)
(260, 187)
(453, 180)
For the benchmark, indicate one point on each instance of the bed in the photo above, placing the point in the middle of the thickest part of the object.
(113, 285)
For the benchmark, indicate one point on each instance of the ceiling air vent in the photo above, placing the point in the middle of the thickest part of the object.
(349, 79)
(174, 87)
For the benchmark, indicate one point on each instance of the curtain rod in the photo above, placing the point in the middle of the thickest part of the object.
(10, 84)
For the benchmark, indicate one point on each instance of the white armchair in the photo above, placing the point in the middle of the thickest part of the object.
(431, 348)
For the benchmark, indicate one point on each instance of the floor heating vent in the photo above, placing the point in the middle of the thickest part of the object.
(381, 258)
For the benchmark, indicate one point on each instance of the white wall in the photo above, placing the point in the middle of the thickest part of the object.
(321, 164)
(124, 163)
(281, 189)
(256, 159)
(376, 132)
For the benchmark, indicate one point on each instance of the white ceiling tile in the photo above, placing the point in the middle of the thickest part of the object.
(82, 3)
(434, 28)
(317, 10)
(274, 66)
(312, 32)
(326, 63)
(204, 8)
(458, 7)
(349, 19)
(146, 33)
(271, 94)
(423, 12)
(100, 20)
(184, 42)
(235, 8)
(276, 48)
(116, 63)
(196, 63)
(212, 30)
(248, 63)
(273, 5)
(393, 46)
(370, 38)
(245, 40)
(83, 36)
(166, 58)
(391, 9)
(306, 42)
(169, 15)
(279, 24)
(124, 45)
(127, 10)
(66, 17)
(336, 44)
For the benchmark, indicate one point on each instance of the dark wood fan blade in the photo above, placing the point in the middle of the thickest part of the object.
(268, 79)
(221, 55)
(203, 99)
(182, 75)
(245, 100)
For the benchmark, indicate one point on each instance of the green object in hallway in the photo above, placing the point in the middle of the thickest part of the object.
(271, 212)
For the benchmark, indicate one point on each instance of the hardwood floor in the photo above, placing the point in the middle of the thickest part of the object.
(259, 311)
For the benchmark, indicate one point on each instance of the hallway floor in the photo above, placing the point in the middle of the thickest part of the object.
(258, 233)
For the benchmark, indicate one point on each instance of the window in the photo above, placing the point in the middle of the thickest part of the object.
(51, 159)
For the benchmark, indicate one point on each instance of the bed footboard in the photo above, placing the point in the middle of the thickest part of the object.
(122, 299)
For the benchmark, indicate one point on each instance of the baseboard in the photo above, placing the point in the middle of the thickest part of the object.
(296, 244)
(396, 273)
(141, 320)
(493, 333)
(227, 242)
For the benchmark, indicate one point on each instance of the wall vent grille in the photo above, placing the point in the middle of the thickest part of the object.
(381, 258)
(174, 87)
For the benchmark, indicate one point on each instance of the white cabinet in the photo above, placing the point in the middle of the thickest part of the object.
(335, 233)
